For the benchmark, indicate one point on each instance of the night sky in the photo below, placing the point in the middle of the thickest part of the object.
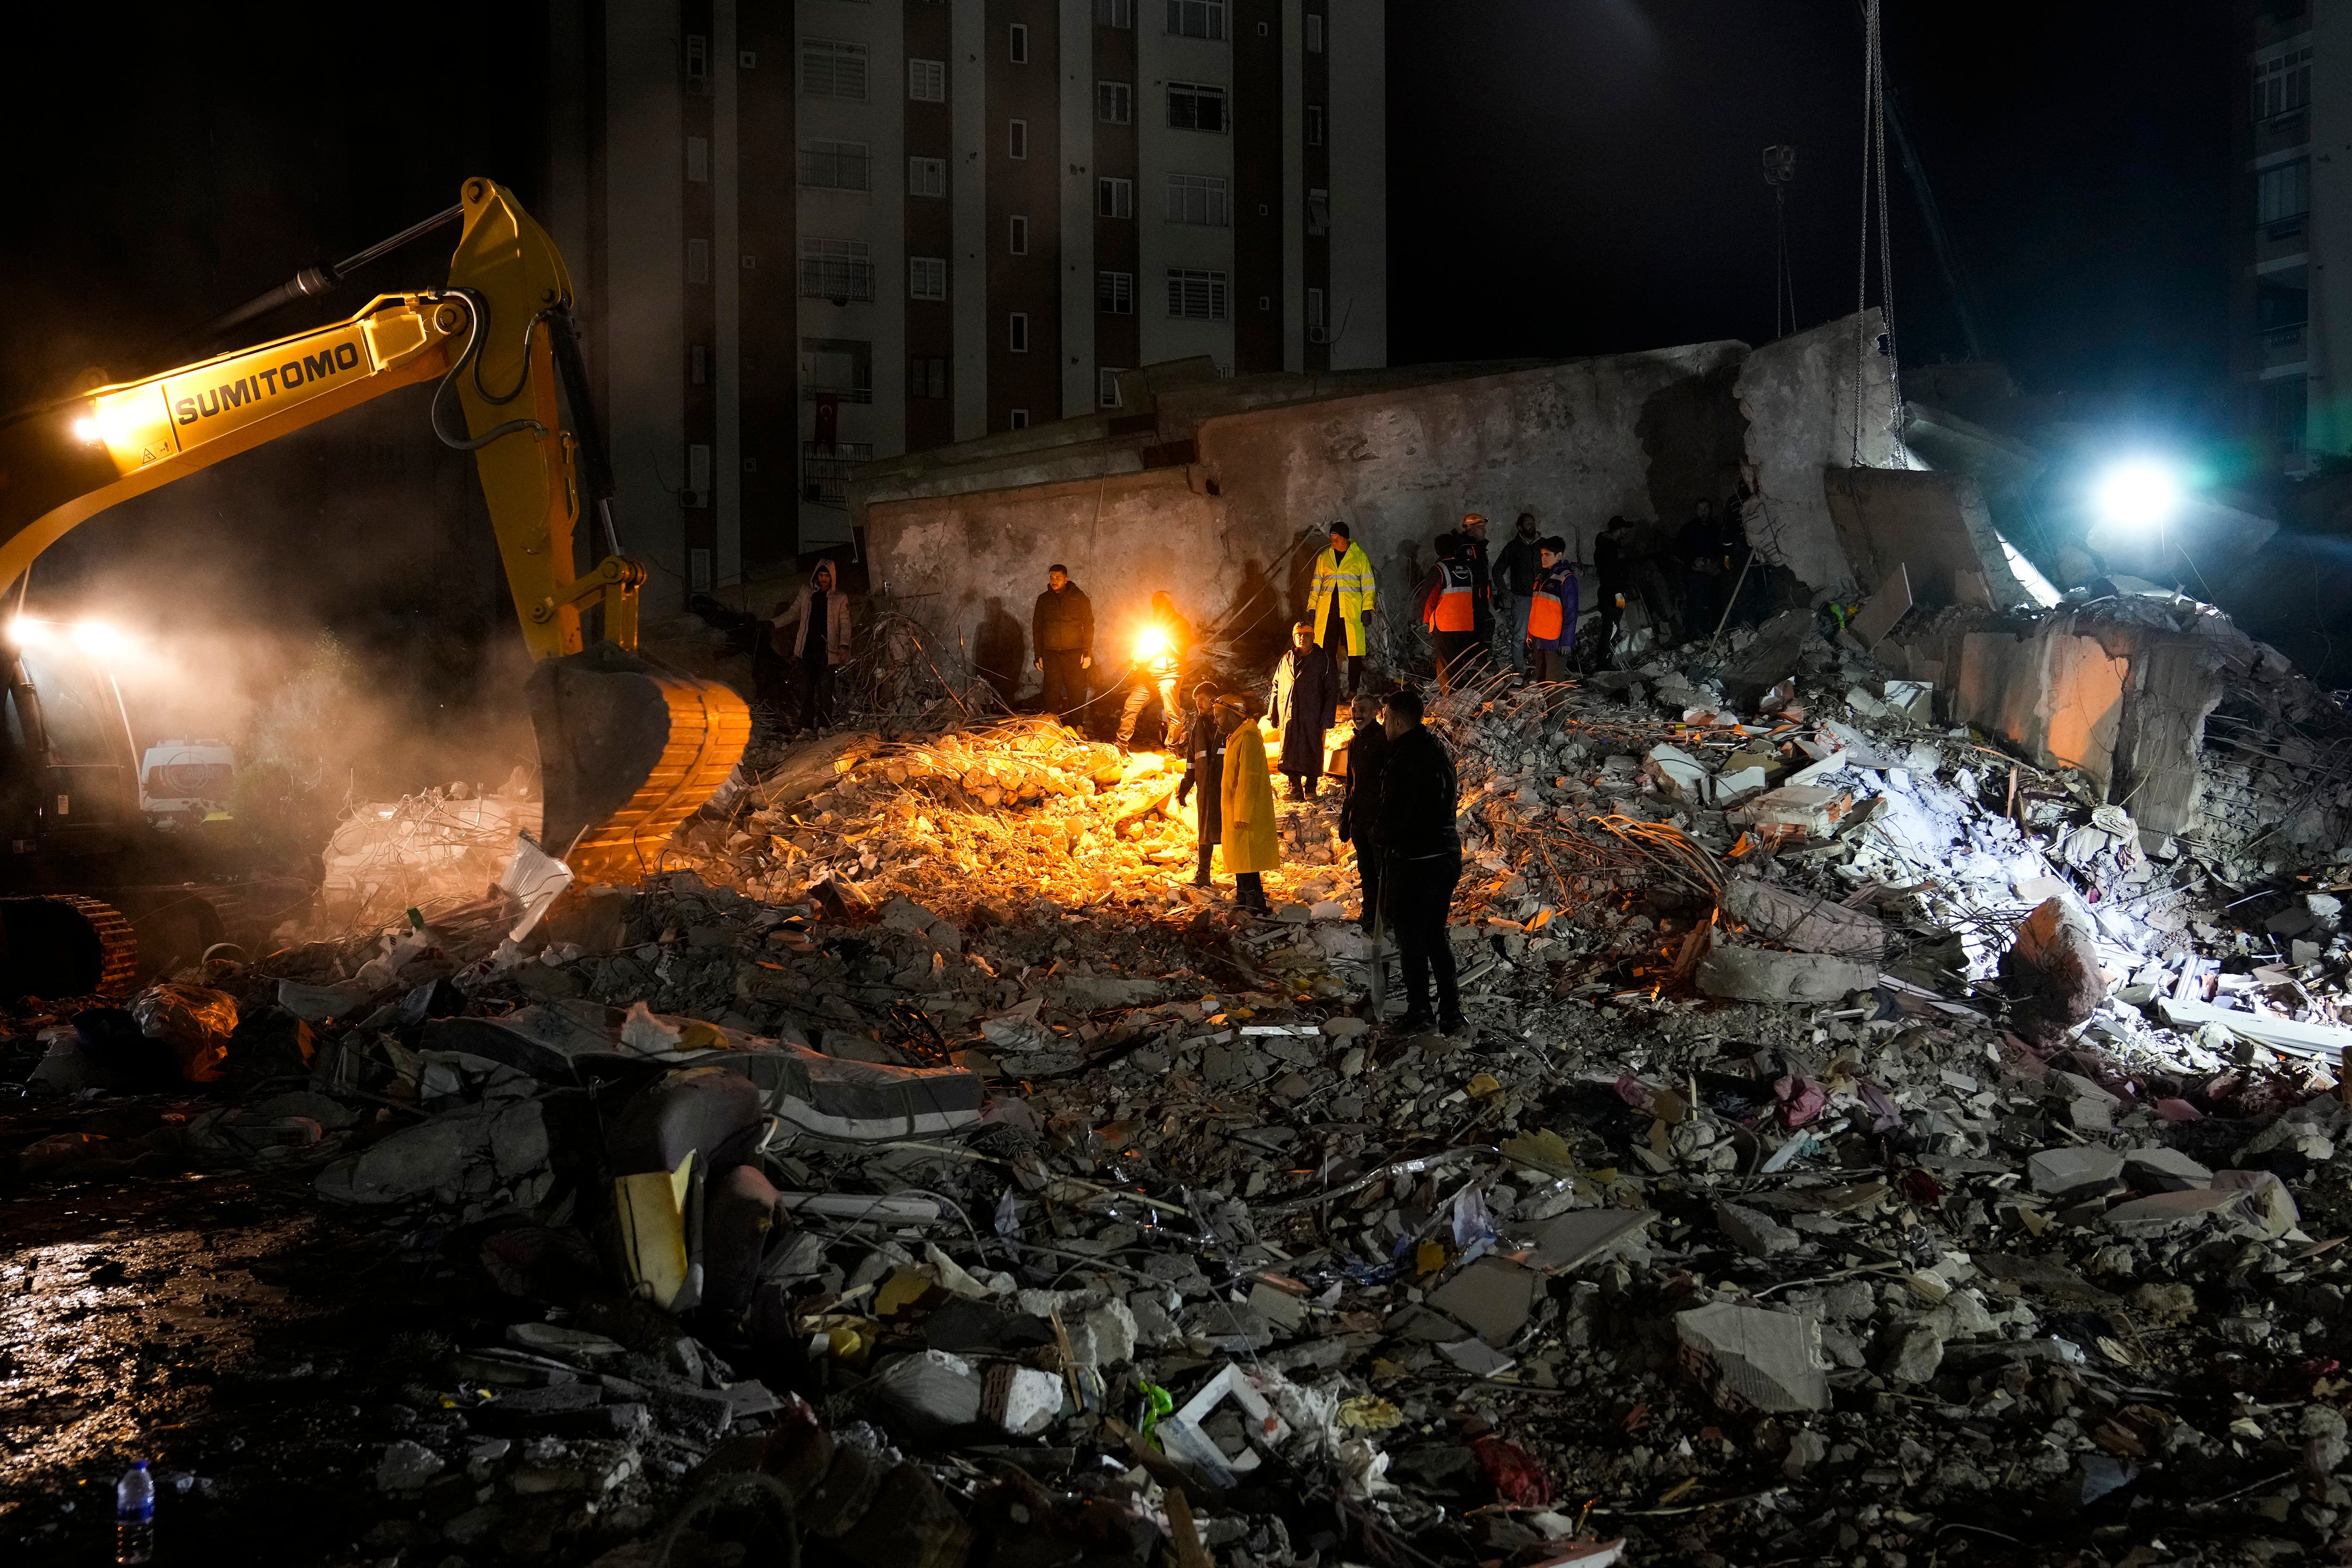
(1571, 176)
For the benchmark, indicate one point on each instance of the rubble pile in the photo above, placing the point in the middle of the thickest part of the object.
(1868, 1147)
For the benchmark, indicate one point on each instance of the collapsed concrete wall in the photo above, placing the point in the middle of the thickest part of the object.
(1798, 397)
(1935, 526)
(1206, 494)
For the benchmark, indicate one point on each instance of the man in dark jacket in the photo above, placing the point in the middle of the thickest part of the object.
(1306, 696)
(1698, 546)
(1515, 587)
(1062, 630)
(1359, 799)
(1204, 769)
(1421, 861)
(1482, 577)
(1612, 563)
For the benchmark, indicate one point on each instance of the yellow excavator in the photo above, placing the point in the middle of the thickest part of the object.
(628, 751)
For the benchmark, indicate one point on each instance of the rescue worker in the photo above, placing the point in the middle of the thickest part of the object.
(1552, 611)
(1062, 630)
(1253, 846)
(1482, 577)
(1306, 700)
(1338, 599)
(1421, 859)
(1359, 799)
(821, 603)
(1156, 671)
(1205, 766)
(1514, 581)
(1698, 544)
(1612, 563)
(1451, 613)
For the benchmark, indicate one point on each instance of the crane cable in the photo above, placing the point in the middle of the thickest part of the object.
(1873, 187)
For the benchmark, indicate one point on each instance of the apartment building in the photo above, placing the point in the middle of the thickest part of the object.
(2291, 318)
(810, 233)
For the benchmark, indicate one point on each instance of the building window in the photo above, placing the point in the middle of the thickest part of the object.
(698, 261)
(927, 278)
(831, 69)
(1016, 141)
(1318, 211)
(836, 269)
(1194, 295)
(2282, 84)
(698, 159)
(1019, 43)
(927, 177)
(840, 367)
(697, 364)
(2286, 413)
(1193, 106)
(927, 80)
(698, 561)
(698, 473)
(1115, 198)
(1196, 199)
(2283, 197)
(927, 378)
(825, 473)
(698, 64)
(1197, 18)
(835, 165)
(1315, 125)
(1016, 333)
(1115, 293)
(1114, 13)
(1313, 32)
(1114, 102)
(1318, 326)
(1107, 387)
(1018, 418)
(1016, 238)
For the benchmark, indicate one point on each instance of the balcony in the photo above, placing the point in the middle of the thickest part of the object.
(2281, 132)
(2281, 237)
(840, 281)
(2283, 345)
(825, 475)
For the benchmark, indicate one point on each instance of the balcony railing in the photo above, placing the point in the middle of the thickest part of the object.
(838, 280)
(825, 475)
(2283, 345)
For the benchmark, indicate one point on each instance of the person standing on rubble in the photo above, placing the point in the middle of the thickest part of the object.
(1205, 736)
(821, 603)
(1421, 853)
(1360, 800)
(1167, 638)
(1253, 844)
(1305, 701)
(1062, 630)
(1612, 563)
(1552, 612)
(1514, 573)
(1451, 612)
(1699, 546)
(1337, 600)
(1481, 578)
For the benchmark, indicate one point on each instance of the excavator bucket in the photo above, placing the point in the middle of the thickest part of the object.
(627, 752)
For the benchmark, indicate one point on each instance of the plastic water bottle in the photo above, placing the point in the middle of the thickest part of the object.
(134, 1515)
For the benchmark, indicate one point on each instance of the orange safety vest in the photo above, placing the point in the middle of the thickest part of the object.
(1544, 615)
(1454, 611)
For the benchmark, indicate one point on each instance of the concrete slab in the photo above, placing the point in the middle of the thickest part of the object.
(2071, 1174)
(1797, 920)
(2167, 1211)
(1760, 975)
(1491, 1298)
(2164, 1170)
(1567, 1241)
(1753, 1359)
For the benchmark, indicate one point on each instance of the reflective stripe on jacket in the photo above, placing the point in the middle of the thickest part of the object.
(1456, 609)
(1344, 585)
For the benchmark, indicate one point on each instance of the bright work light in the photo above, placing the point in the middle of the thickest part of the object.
(2140, 493)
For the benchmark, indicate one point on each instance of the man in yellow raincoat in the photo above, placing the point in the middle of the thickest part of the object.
(1338, 599)
(1252, 844)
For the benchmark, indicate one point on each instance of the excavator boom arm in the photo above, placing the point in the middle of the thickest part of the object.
(626, 752)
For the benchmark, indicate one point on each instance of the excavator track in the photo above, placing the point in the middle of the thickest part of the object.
(66, 945)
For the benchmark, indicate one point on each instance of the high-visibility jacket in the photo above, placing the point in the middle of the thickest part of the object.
(1341, 586)
(1456, 607)
(1551, 617)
